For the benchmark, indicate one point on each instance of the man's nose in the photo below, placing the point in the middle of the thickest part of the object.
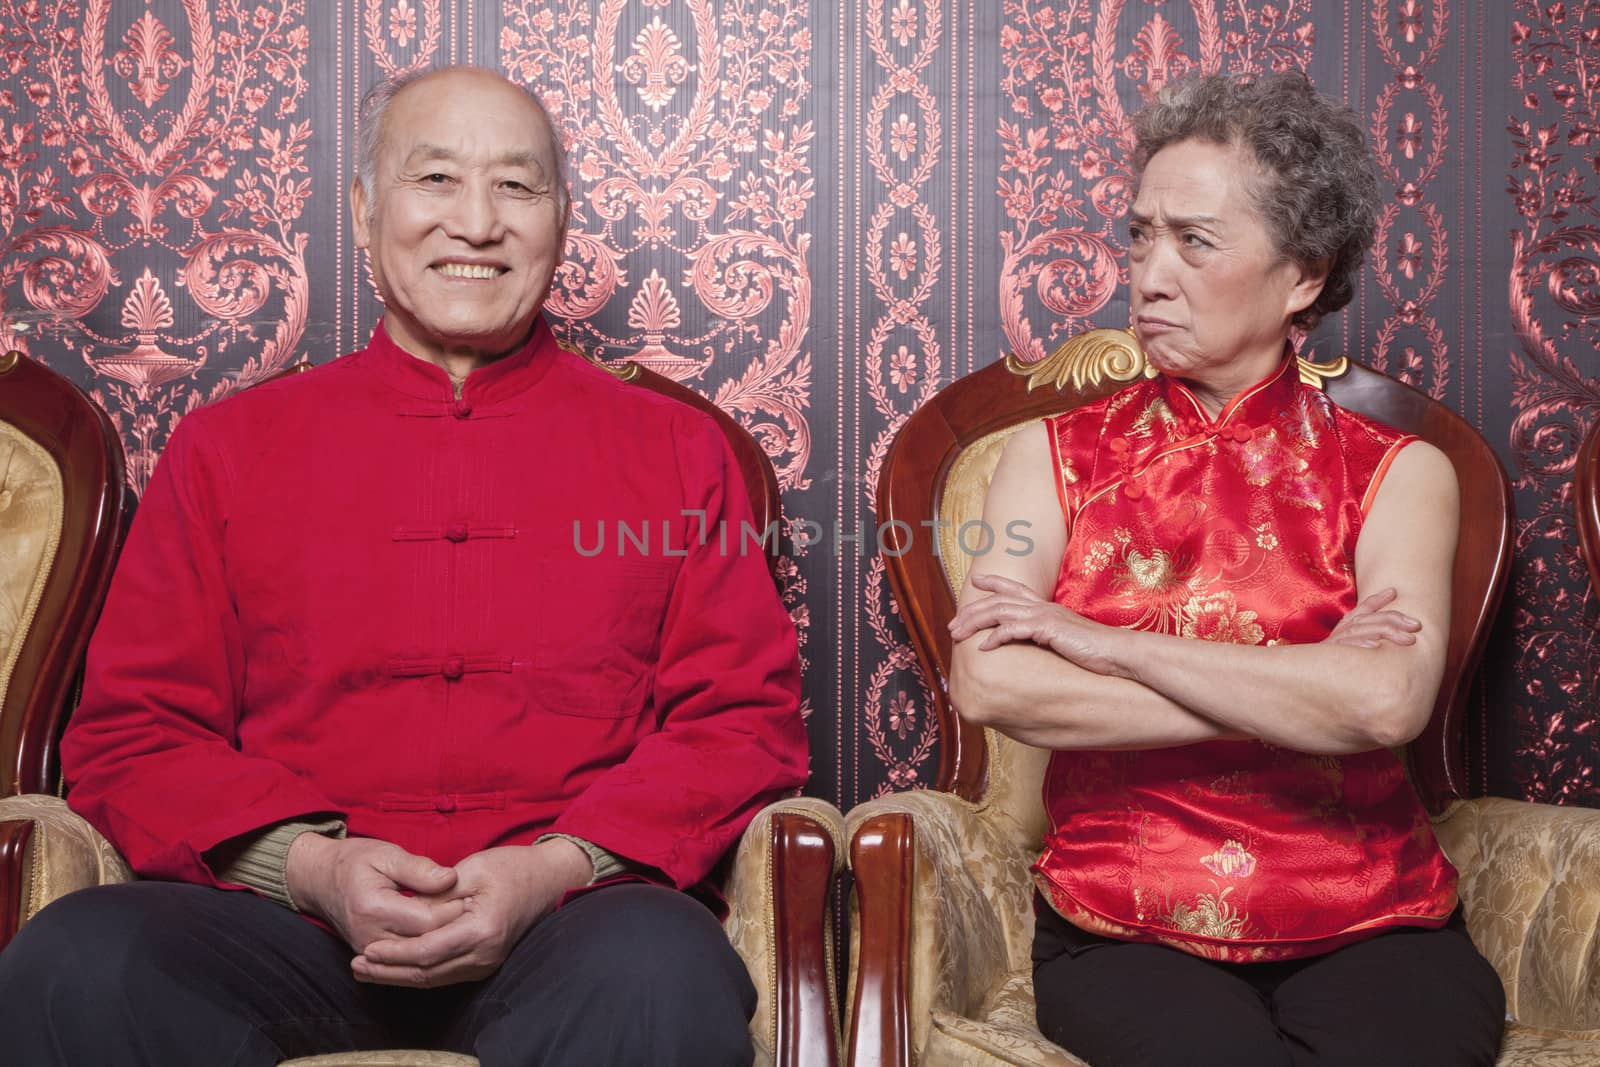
(475, 217)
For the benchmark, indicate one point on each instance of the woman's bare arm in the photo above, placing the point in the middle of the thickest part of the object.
(1371, 683)
(1030, 692)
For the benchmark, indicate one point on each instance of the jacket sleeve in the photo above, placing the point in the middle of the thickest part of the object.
(726, 693)
(151, 754)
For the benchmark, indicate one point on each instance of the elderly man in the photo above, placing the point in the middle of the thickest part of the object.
(353, 665)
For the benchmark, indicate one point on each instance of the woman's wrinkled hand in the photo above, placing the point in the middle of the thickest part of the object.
(1370, 623)
(1014, 613)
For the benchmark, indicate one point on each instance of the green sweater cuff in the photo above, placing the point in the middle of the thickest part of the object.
(260, 860)
(606, 864)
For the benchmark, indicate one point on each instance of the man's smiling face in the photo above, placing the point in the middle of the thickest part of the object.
(467, 218)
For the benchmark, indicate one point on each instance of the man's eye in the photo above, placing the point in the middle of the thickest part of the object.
(436, 179)
(1194, 240)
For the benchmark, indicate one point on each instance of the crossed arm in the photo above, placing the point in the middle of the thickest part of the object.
(1050, 677)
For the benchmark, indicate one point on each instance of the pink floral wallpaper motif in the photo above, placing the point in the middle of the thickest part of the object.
(159, 179)
(818, 214)
(903, 256)
(691, 159)
(1409, 133)
(1071, 74)
(1554, 304)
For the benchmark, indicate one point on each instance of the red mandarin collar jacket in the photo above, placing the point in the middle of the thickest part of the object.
(349, 591)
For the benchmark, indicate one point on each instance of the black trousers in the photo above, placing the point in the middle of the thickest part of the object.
(1411, 997)
(164, 974)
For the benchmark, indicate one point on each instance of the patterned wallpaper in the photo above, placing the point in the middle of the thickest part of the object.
(818, 214)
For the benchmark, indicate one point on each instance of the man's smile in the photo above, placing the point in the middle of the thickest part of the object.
(475, 271)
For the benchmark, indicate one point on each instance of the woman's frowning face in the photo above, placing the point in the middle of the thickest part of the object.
(1212, 296)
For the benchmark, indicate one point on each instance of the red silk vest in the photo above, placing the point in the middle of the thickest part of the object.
(1240, 529)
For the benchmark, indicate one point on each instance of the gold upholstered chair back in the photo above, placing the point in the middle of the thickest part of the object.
(62, 500)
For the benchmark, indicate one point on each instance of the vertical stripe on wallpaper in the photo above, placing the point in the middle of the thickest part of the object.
(904, 357)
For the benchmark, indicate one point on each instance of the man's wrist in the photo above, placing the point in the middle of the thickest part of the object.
(308, 855)
(569, 862)
(604, 863)
(259, 860)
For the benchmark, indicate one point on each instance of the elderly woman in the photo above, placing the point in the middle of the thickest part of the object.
(1238, 603)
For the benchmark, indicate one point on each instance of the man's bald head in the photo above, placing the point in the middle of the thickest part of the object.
(375, 108)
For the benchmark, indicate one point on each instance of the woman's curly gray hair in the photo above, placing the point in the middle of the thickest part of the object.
(1316, 189)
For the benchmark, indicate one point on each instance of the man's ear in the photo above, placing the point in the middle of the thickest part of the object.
(1309, 280)
(359, 219)
(566, 219)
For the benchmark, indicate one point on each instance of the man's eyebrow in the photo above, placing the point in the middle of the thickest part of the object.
(425, 153)
(516, 157)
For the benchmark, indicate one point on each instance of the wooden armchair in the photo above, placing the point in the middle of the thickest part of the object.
(942, 923)
(61, 508)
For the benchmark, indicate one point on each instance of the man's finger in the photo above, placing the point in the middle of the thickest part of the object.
(416, 873)
(426, 950)
(383, 974)
(460, 970)
(406, 916)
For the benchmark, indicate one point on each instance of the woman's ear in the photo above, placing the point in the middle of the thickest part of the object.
(1309, 280)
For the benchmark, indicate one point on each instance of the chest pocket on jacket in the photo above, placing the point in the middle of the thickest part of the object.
(598, 635)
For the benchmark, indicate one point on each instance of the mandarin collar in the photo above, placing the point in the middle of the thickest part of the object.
(1251, 408)
(487, 385)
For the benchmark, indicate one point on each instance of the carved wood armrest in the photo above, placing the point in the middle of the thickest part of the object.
(941, 914)
(47, 851)
(780, 898)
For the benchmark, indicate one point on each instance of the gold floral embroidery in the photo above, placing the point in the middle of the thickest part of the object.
(1161, 583)
(1209, 916)
(1302, 489)
(1155, 412)
(1230, 861)
(1262, 460)
(1304, 420)
(1098, 557)
(1217, 617)
(1265, 538)
(1156, 573)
